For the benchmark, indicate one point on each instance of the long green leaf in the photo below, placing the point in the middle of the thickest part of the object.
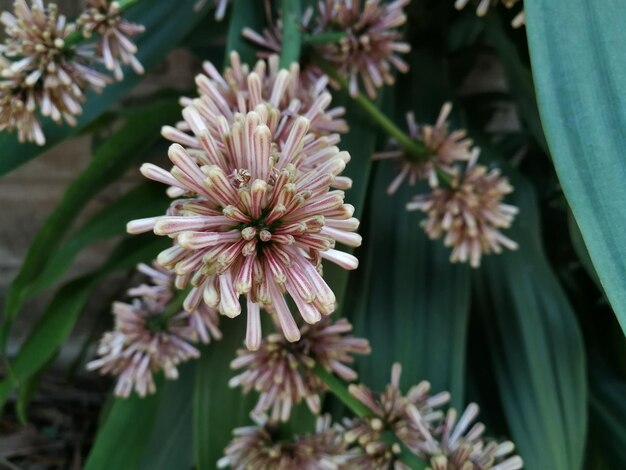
(166, 23)
(61, 315)
(171, 439)
(108, 164)
(217, 408)
(580, 77)
(536, 346)
(244, 14)
(123, 436)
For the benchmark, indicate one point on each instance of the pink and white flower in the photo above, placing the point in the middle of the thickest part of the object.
(261, 199)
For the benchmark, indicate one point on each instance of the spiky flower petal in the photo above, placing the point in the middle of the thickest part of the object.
(282, 372)
(203, 321)
(445, 148)
(470, 213)
(258, 213)
(114, 45)
(258, 447)
(240, 89)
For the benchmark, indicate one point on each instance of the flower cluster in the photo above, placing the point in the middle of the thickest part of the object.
(469, 213)
(415, 418)
(369, 50)
(464, 205)
(372, 44)
(389, 413)
(460, 445)
(483, 8)
(260, 199)
(42, 69)
(114, 47)
(258, 447)
(147, 340)
(282, 372)
(418, 422)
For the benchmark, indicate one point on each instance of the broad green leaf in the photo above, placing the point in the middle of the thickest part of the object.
(57, 322)
(291, 14)
(244, 14)
(217, 409)
(580, 77)
(108, 164)
(536, 346)
(123, 435)
(166, 23)
(145, 200)
(171, 440)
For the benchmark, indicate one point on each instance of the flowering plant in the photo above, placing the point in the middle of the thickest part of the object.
(361, 225)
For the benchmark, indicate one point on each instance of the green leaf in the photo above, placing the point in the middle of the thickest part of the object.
(171, 441)
(217, 409)
(108, 165)
(123, 436)
(244, 14)
(145, 200)
(291, 12)
(580, 78)
(536, 346)
(57, 322)
(166, 24)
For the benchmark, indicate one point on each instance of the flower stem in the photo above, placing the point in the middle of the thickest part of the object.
(341, 392)
(416, 148)
(359, 409)
(77, 36)
(292, 34)
(406, 455)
